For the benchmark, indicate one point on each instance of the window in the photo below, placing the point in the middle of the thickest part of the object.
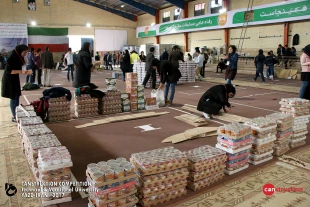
(199, 9)
(177, 13)
(216, 5)
(166, 16)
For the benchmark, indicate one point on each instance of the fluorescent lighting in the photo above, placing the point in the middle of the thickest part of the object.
(123, 6)
(223, 10)
(88, 25)
(153, 24)
(33, 23)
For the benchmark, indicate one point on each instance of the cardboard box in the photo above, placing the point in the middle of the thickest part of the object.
(140, 88)
(141, 101)
(132, 91)
(126, 108)
(131, 76)
(133, 98)
(134, 106)
(141, 106)
(150, 101)
(131, 83)
(140, 94)
(124, 96)
(126, 102)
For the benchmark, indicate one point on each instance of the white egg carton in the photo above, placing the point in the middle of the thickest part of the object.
(264, 140)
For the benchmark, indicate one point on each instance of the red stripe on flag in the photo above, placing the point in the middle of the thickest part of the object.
(52, 47)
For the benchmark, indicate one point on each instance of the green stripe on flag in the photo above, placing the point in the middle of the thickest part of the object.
(149, 34)
(47, 31)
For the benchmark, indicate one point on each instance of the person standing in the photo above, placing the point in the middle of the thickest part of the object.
(133, 57)
(150, 72)
(142, 56)
(84, 66)
(121, 59)
(114, 59)
(199, 66)
(175, 56)
(105, 59)
(169, 76)
(164, 56)
(206, 57)
(126, 64)
(69, 58)
(10, 87)
(47, 64)
(195, 54)
(305, 72)
(232, 64)
(31, 65)
(294, 51)
(39, 66)
(109, 58)
(97, 56)
(270, 65)
(189, 57)
(259, 62)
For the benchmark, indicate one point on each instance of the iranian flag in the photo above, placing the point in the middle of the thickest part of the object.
(55, 38)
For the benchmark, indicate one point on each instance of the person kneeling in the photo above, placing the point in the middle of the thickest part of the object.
(215, 99)
(170, 75)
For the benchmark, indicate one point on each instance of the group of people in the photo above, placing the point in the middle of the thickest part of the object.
(261, 61)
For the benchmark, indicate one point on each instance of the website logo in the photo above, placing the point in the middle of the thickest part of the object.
(269, 189)
(10, 189)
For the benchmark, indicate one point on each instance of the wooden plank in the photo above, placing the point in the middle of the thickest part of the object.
(192, 120)
(122, 118)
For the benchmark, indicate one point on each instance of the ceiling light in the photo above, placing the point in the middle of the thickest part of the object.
(153, 24)
(33, 23)
(223, 10)
(88, 25)
(123, 6)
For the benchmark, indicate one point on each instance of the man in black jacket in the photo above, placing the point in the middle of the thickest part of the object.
(164, 56)
(47, 64)
(150, 70)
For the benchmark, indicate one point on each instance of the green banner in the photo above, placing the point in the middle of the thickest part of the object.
(297, 9)
(189, 24)
(147, 34)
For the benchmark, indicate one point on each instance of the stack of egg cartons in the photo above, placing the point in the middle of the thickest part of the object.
(299, 109)
(132, 89)
(28, 121)
(206, 166)
(183, 67)
(24, 112)
(141, 104)
(111, 103)
(139, 68)
(284, 132)
(54, 168)
(112, 183)
(191, 71)
(86, 106)
(236, 140)
(264, 135)
(125, 102)
(163, 175)
(59, 109)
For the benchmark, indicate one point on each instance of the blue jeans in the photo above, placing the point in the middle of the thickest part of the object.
(70, 68)
(13, 104)
(270, 71)
(33, 76)
(172, 87)
(303, 89)
(228, 81)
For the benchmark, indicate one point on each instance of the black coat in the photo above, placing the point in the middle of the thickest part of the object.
(148, 60)
(169, 73)
(164, 56)
(215, 98)
(83, 70)
(259, 62)
(126, 64)
(10, 87)
(56, 92)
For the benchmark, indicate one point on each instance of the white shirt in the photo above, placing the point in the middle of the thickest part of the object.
(200, 60)
(69, 58)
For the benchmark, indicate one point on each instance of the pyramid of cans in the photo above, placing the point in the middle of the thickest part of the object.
(284, 132)
(162, 174)
(112, 183)
(111, 103)
(206, 166)
(58, 109)
(85, 105)
(264, 135)
(54, 169)
(299, 109)
(236, 140)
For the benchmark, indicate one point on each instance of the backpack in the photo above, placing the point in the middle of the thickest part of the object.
(30, 86)
(41, 108)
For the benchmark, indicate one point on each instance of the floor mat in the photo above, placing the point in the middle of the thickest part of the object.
(299, 158)
(290, 89)
(247, 190)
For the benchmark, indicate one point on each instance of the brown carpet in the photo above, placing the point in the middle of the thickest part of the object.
(299, 158)
(247, 190)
